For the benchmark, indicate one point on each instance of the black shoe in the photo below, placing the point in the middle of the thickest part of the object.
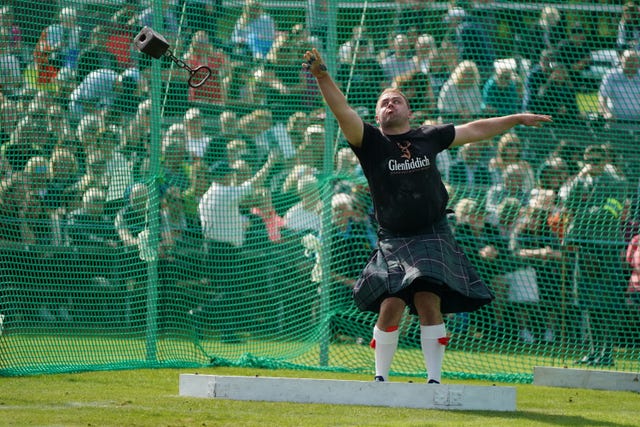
(587, 360)
(378, 379)
(433, 382)
(604, 360)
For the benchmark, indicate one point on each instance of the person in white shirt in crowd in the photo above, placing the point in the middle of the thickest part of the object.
(400, 61)
(619, 101)
(460, 98)
(255, 30)
(304, 216)
(619, 95)
(224, 231)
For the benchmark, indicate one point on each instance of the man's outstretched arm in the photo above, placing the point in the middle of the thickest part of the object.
(349, 121)
(482, 129)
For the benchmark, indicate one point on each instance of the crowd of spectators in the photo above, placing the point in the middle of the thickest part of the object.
(242, 157)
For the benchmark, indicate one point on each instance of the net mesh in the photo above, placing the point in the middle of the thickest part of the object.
(146, 223)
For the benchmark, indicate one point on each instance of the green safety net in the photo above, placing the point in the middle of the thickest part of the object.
(147, 223)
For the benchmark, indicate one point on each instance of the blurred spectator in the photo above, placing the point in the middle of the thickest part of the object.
(236, 83)
(545, 34)
(198, 140)
(619, 95)
(121, 30)
(574, 53)
(58, 129)
(633, 261)
(594, 200)
(263, 135)
(94, 93)
(361, 79)
(202, 52)
(479, 239)
(119, 164)
(508, 152)
(202, 15)
(360, 45)
(86, 138)
(175, 158)
(619, 100)
(629, 27)
(137, 134)
(173, 262)
(129, 94)
(11, 83)
(173, 225)
(90, 225)
(61, 195)
(447, 56)
(282, 71)
(24, 142)
(537, 246)
(512, 185)
(349, 250)
(131, 220)
(94, 175)
(11, 42)
(416, 86)
(550, 177)
(199, 182)
(536, 80)
(502, 93)
(223, 227)
(9, 112)
(254, 31)
(400, 61)
(263, 208)
(94, 55)
(58, 46)
(460, 99)
(425, 56)
(508, 213)
(132, 229)
(219, 207)
(468, 174)
(473, 40)
(266, 89)
(37, 227)
(557, 97)
(304, 216)
(317, 19)
(169, 20)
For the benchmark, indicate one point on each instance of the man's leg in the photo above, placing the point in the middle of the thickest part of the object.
(433, 334)
(385, 335)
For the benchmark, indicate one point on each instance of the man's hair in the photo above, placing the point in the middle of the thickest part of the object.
(393, 90)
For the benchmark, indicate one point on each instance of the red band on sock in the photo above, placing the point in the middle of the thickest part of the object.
(392, 329)
(444, 340)
(372, 343)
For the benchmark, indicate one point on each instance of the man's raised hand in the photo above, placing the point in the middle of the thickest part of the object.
(314, 63)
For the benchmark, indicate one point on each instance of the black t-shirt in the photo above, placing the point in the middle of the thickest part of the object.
(405, 184)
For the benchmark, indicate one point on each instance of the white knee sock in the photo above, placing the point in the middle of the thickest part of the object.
(432, 349)
(385, 345)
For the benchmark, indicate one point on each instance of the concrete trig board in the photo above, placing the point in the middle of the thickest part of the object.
(343, 392)
(586, 378)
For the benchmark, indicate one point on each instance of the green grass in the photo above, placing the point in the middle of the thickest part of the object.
(150, 398)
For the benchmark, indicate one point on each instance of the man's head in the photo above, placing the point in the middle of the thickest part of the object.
(392, 109)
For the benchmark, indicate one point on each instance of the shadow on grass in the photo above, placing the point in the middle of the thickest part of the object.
(552, 419)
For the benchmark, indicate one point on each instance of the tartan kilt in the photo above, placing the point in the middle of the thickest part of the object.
(432, 254)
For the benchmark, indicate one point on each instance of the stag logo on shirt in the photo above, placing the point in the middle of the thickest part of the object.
(404, 149)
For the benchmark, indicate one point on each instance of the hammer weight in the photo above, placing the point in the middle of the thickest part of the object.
(151, 43)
